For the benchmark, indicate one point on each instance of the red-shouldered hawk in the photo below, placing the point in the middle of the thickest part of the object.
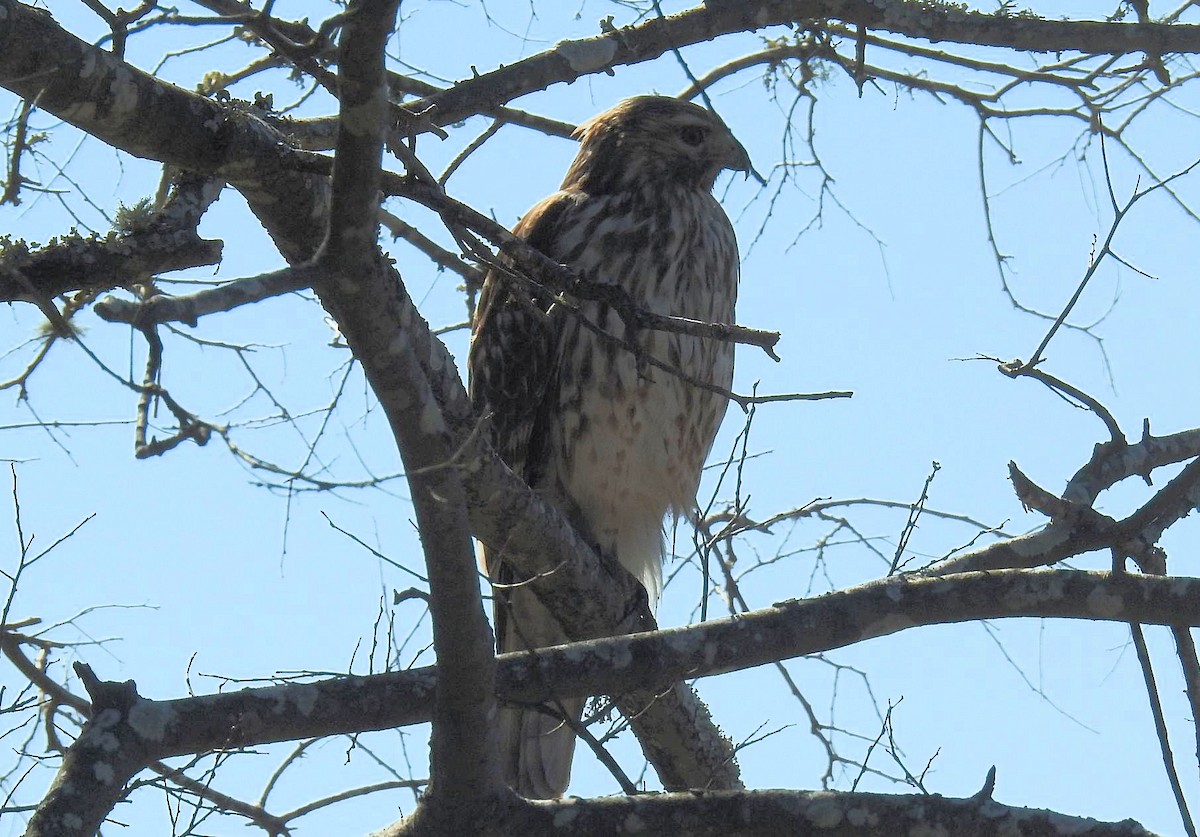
(614, 446)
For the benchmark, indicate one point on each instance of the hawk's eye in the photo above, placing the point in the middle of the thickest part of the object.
(692, 134)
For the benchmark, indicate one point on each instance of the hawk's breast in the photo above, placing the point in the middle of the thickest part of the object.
(631, 437)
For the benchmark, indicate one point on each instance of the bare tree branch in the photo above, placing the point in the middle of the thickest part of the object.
(786, 630)
(568, 60)
(465, 753)
(323, 216)
(189, 308)
(772, 812)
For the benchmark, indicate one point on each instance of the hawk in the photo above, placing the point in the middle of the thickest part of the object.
(614, 443)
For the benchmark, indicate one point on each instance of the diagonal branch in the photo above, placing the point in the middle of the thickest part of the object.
(1075, 527)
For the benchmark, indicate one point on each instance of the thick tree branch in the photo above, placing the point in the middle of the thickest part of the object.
(617, 665)
(465, 763)
(96, 767)
(311, 43)
(73, 262)
(147, 730)
(769, 813)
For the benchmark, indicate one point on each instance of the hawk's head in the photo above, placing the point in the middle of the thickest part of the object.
(653, 139)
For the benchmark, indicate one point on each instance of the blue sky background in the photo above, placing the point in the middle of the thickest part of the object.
(208, 579)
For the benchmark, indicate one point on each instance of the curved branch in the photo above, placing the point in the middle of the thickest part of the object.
(569, 60)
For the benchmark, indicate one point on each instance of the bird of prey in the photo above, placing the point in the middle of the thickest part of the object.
(614, 442)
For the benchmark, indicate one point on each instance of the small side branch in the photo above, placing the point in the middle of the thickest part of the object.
(189, 308)
(1160, 727)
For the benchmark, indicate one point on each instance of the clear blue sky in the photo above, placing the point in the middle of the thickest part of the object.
(885, 297)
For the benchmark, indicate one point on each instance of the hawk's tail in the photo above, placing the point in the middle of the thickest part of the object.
(535, 743)
(537, 748)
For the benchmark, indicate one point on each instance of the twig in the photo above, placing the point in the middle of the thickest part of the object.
(1160, 726)
(12, 188)
(1185, 648)
(914, 514)
(1119, 213)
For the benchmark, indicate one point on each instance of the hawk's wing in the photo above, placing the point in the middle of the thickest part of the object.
(513, 372)
(514, 348)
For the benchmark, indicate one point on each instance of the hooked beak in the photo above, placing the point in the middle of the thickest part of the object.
(736, 158)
